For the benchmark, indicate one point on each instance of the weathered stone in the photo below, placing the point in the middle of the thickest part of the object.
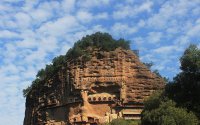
(111, 85)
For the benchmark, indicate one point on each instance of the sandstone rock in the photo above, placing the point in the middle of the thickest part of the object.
(111, 85)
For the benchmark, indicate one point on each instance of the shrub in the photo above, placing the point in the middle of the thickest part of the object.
(124, 122)
(162, 111)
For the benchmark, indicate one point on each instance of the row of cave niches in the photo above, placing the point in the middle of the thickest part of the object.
(102, 99)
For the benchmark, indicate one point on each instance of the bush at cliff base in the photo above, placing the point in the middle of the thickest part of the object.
(162, 111)
(124, 122)
(185, 87)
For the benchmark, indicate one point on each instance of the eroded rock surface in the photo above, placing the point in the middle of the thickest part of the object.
(110, 85)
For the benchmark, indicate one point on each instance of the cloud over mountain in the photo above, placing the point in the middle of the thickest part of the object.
(33, 32)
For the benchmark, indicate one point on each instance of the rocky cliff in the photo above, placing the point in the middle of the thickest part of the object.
(108, 85)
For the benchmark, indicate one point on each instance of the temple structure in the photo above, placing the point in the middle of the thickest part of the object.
(111, 85)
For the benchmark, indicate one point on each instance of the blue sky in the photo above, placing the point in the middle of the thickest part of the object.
(32, 32)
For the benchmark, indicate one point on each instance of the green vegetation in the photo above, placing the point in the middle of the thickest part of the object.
(159, 110)
(179, 103)
(124, 122)
(185, 88)
(82, 49)
(148, 64)
(44, 74)
(102, 41)
(26, 91)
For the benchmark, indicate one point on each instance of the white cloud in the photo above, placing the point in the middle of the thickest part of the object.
(78, 35)
(170, 11)
(172, 30)
(123, 29)
(154, 37)
(49, 28)
(48, 44)
(4, 7)
(196, 11)
(141, 23)
(158, 67)
(8, 34)
(139, 41)
(12, 1)
(9, 79)
(29, 5)
(7, 22)
(23, 20)
(124, 11)
(167, 49)
(10, 69)
(97, 28)
(148, 58)
(92, 3)
(190, 31)
(146, 6)
(9, 53)
(130, 1)
(68, 5)
(29, 41)
(35, 56)
(84, 16)
(40, 15)
(198, 45)
(182, 40)
(103, 15)
(30, 73)
(194, 31)
(64, 49)
(59, 27)
(197, 21)
(43, 11)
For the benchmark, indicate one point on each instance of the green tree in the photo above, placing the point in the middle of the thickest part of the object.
(119, 122)
(123, 43)
(102, 41)
(59, 62)
(148, 64)
(26, 91)
(159, 110)
(41, 74)
(176, 104)
(190, 61)
(185, 88)
(124, 122)
(49, 70)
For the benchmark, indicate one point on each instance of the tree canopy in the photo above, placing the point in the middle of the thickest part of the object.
(185, 88)
(102, 41)
(121, 121)
(190, 61)
(179, 103)
(160, 110)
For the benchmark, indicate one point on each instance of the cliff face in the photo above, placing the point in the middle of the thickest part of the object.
(110, 85)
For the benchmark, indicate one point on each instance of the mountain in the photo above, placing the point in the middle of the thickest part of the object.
(99, 79)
